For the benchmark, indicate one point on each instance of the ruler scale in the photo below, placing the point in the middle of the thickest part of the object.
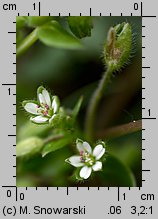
(117, 202)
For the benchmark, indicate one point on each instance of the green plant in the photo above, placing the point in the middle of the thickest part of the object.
(60, 123)
(50, 32)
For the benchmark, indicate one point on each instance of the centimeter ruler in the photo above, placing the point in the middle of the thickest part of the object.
(84, 201)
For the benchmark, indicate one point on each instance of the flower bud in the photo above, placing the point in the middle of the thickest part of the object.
(117, 48)
(29, 147)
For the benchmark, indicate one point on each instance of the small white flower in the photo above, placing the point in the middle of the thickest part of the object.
(46, 108)
(88, 160)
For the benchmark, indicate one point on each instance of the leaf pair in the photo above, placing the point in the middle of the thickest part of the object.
(51, 33)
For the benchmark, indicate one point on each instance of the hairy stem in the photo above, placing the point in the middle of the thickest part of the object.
(94, 102)
(27, 43)
(53, 138)
(120, 130)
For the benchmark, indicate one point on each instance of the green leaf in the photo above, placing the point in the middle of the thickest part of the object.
(52, 34)
(20, 22)
(56, 145)
(77, 108)
(34, 21)
(115, 173)
(30, 129)
(19, 36)
(80, 26)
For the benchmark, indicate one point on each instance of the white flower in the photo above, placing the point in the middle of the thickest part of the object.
(45, 109)
(88, 160)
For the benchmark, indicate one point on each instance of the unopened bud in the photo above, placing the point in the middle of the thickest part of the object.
(29, 147)
(117, 48)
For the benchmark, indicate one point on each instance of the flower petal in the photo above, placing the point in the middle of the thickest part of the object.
(83, 146)
(39, 119)
(85, 172)
(46, 97)
(41, 99)
(75, 161)
(97, 166)
(87, 147)
(55, 104)
(79, 146)
(98, 151)
(52, 118)
(31, 108)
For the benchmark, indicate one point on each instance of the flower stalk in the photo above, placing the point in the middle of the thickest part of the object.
(53, 138)
(116, 52)
(120, 130)
(92, 108)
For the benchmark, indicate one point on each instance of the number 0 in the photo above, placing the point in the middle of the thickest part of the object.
(21, 196)
(135, 6)
(9, 193)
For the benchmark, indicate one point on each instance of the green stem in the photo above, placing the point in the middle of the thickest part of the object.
(53, 138)
(94, 102)
(27, 43)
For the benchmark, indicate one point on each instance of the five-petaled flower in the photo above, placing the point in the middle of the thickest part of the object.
(45, 109)
(88, 160)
